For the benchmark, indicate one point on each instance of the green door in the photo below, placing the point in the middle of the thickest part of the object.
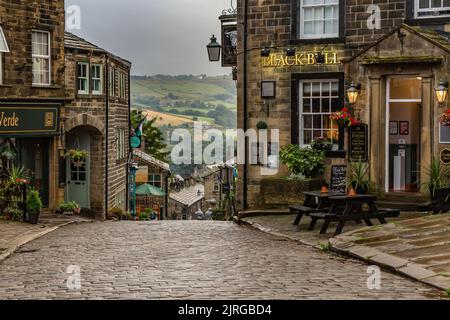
(78, 173)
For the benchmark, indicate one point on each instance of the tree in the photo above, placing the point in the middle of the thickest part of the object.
(154, 140)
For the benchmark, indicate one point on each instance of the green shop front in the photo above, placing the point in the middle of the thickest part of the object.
(29, 136)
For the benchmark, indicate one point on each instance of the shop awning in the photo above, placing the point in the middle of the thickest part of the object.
(149, 190)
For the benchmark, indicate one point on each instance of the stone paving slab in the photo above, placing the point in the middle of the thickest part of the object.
(14, 235)
(418, 248)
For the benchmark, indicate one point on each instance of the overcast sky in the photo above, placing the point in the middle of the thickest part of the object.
(157, 36)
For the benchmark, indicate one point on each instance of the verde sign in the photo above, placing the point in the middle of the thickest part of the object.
(28, 120)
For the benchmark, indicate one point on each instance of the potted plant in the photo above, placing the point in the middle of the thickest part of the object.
(359, 177)
(262, 125)
(445, 118)
(77, 156)
(437, 178)
(69, 208)
(321, 143)
(344, 118)
(305, 161)
(13, 212)
(34, 206)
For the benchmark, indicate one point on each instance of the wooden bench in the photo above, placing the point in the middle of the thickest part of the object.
(301, 211)
(342, 219)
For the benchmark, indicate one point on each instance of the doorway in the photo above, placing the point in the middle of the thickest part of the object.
(78, 172)
(404, 104)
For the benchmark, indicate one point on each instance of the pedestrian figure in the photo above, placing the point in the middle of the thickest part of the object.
(200, 215)
(208, 214)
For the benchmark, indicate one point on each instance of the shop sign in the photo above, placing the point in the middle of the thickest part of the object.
(359, 143)
(28, 120)
(300, 59)
(142, 175)
(445, 156)
(229, 45)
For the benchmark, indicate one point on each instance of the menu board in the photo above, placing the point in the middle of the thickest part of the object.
(338, 181)
(359, 143)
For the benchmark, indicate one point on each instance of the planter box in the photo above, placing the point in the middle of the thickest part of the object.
(280, 191)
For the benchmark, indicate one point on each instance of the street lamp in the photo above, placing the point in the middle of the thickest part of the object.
(214, 50)
(353, 93)
(442, 92)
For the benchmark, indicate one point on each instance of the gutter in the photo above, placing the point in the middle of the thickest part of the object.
(106, 85)
(245, 101)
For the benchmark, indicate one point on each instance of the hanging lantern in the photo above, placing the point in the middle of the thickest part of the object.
(353, 93)
(442, 92)
(214, 50)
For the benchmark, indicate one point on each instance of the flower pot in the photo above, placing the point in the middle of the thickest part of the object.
(33, 217)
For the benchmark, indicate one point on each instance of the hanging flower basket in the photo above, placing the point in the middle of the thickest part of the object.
(445, 118)
(77, 156)
(344, 118)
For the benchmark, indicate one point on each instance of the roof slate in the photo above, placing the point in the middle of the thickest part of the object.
(189, 196)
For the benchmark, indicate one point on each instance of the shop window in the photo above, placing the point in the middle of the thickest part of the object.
(318, 19)
(432, 8)
(121, 149)
(444, 134)
(3, 49)
(318, 99)
(97, 78)
(41, 57)
(112, 82)
(83, 78)
(155, 180)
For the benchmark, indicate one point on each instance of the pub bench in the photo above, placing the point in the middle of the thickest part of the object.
(301, 211)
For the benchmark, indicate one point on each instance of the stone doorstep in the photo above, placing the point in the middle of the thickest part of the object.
(390, 262)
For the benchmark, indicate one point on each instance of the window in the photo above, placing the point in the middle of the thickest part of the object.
(155, 180)
(216, 187)
(432, 8)
(120, 200)
(319, 19)
(112, 82)
(41, 57)
(83, 78)
(97, 78)
(318, 99)
(3, 49)
(121, 148)
(122, 85)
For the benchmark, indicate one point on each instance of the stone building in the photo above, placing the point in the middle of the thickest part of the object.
(297, 58)
(32, 88)
(185, 201)
(97, 121)
(56, 95)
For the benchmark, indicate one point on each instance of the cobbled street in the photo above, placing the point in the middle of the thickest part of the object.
(188, 260)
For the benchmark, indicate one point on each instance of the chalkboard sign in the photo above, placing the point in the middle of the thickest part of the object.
(359, 143)
(338, 181)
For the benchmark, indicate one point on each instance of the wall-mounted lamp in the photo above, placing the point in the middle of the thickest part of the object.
(353, 93)
(268, 89)
(214, 50)
(290, 52)
(265, 52)
(442, 92)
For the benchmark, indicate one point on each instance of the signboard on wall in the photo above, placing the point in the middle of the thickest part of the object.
(29, 120)
(338, 182)
(229, 45)
(142, 175)
(359, 143)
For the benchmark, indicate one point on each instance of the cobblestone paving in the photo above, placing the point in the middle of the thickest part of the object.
(187, 260)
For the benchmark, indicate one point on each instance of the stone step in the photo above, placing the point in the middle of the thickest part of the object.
(403, 206)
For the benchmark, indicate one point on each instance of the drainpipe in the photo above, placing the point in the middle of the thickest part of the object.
(130, 151)
(106, 86)
(245, 100)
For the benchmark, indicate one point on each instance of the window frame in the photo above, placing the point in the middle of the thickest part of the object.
(3, 38)
(1, 68)
(301, 22)
(100, 66)
(112, 82)
(87, 65)
(38, 56)
(121, 144)
(151, 179)
(311, 113)
(417, 10)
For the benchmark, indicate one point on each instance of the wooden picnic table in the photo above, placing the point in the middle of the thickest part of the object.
(353, 211)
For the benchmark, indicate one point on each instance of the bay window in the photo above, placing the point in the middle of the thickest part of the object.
(97, 78)
(83, 78)
(318, 19)
(318, 99)
(432, 8)
(41, 57)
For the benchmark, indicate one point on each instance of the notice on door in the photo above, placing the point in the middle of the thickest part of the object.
(359, 143)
